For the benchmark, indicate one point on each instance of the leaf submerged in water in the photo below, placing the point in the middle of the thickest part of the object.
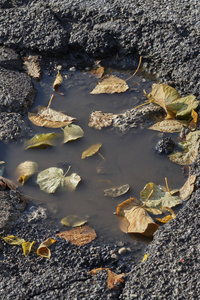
(42, 140)
(117, 191)
(110, 84)
(91, 150)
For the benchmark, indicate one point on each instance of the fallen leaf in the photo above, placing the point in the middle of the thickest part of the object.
(110, 84)
(114, 279)
(187, 188)
(32, 67)
(145, 257)
(167, 218)
(98, 119)
(158, 197)
(43, 249)
(57, 82)
(91, 150)
(42, 140)
(27, 247)
(53, 178)
(117, 191)
(183, 107)
(94, 271)
(25, 170)
(73, 221)
(153, 211)
(190, 149)
(13, 240)
(72, 132)
(47, 117)
(139, 220)
(79, 236)
(193, 123)
(169, 126)
(97, 70)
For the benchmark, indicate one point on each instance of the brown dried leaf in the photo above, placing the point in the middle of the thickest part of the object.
(187, 188)
(114, 279)
(47, 117)
(94, 271)
(139, 220)
(79, 236)
(57, 82)
(98, 119)
(110, 84)
(91, 150)
(32, 67)
(169, 126)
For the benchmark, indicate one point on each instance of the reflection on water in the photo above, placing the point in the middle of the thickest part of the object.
(129, 159)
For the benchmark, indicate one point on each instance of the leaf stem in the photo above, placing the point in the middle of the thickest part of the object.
(67, 171)
(101, 155)
(148, 102)
(50, 101)
(167, 186)
(136, 69)
(147, 198)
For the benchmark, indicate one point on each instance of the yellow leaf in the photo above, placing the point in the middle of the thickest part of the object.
(57, 81)
(43, 249)
(110, 84)
(165, 219)
(25, 170)
(73, 221)
(91, 150)
(27, 247)
(193, 123)
(145, 257)
(13, 240)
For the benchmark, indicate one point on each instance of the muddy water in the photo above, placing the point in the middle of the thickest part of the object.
(129, 159)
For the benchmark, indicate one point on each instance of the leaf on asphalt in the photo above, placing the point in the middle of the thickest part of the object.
(110, 84)
(43, 249)
(72, 132)
(47, 117)
(117, 191)
(190, 149)
(193, 123)
(97, 70)
(114, 279)
(187, 188)
(79, 236)
(27, 247)
(98, 119)
(169, 126)
(158, 197)
(25, 170)
(91, 150)
(73, 221)
(32, 67)
(139, 220)
(57, 82)
(167, 218)
(145, 257)
(42, 140)
(94, 271)
(53, 178)
(13, 240)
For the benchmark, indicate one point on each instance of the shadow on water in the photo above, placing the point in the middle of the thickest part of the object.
(129, 159)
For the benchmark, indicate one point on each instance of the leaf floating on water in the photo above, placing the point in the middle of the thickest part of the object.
(98, 119)
(117, 191)
(183, 107)
(13, 240)
(25, 170)
(91, 150)
(110, 84)
(79, 236)
(47, 117)
(167, 218)
(153, 211)
(73, 221)
(27, 247)
(57, 82)
(187, 188)
(193, 123)
(53, 178)
(169, 126)
(42, 140)
(97, 70)
(32, 67)
(158, 197)
(139, 220)
(43, 249)
(190, 150)
(72, 132)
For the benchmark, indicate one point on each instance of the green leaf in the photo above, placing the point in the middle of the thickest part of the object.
(42, 140)
(72, 132)
(158, 198)
(73, 221)
(183, 107)
(51, 179)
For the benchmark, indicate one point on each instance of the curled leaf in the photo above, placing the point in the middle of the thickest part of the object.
(110, 84)
(57, 82)
(42, 140)
(98, 119)
(43, 249)
(91, 150)
(25, 170)
(13, 240)
(72, 132)
(27, 247)
(117, 191)
(73, 221)
(47, 117)
(138, 219)
(79, 236)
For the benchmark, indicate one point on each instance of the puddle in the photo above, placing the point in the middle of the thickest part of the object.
(129, 159)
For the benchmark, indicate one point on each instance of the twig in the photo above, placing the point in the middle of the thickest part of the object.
(136, 69)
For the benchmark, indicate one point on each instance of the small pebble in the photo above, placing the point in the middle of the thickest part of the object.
(122, 251)
(59, 67)
(115, 257)
(72, 69)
